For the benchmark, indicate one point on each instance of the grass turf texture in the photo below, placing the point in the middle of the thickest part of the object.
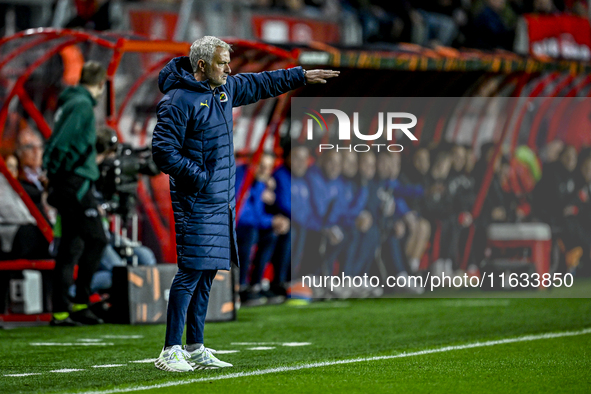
(337, 330)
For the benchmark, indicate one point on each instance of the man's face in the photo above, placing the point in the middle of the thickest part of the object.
(497, 5)
(441, 167)
(459, 158)
(367, 165)
(265, 168)
(30, 152)
(568, 158)
(299, 161)
(101, 90)
(421, 161)
(383, 166)
(217, 72)
(331, 164)
(349, 164)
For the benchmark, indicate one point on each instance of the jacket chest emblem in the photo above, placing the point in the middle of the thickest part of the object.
(223, 97)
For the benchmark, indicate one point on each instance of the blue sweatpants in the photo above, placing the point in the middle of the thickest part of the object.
(188, 299)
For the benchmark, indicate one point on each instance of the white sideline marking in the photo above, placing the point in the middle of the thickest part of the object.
(70, 344)
(89, 340)
(271, 343)
(122, 336)
(66, 370)
(22, 374)
(109, 365)
(261, 348)
(475, 303)
(226, 351)
(349, 361)
(144, 361)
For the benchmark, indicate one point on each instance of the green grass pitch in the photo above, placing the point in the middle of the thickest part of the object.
(363, 346)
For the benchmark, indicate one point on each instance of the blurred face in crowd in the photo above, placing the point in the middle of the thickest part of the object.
(298, 158)
(568, 158)
(394, 165)
(12, 165)
(294, 5)
(552, 150)
(421, 161)
(497, 5)
(331, 164)
(30, 151)
(217, 72)
(586, 169)
(383, 166)
(441, 167)
(367, 165)
(265, 168)
(349, 164)
(459, 156)
(543, 6)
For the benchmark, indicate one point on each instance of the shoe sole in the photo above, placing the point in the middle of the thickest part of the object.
(201, 367)
(162, 366)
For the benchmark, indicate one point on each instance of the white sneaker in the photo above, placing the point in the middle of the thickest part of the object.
(203, 358)
(174, 360)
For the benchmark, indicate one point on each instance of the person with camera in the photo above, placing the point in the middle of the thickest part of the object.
(70, 160)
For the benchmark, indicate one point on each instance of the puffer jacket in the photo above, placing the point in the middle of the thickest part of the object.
(193, 143)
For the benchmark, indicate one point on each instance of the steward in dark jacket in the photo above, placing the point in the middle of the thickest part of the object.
(71, 164)
(70, 155)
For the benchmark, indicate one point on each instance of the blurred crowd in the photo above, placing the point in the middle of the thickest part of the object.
(483, 24)
(23, 239)
(405, 213)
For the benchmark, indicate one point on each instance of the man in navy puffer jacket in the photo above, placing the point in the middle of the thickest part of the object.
(193, 143)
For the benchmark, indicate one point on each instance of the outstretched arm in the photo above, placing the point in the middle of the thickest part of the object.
(249, 88)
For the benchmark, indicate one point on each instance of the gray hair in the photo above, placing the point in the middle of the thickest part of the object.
(204, 48)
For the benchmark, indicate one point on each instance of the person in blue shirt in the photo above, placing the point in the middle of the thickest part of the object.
(301, 207)
(392, 211)
(324, 235)
(364, 240)
(257, 226)
(395, 218)
(282, 176)
(192, 142)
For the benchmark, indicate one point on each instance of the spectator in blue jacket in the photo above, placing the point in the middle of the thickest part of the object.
(281, 258)
(257, 226)
(360, 250)
(398, 221)
(323, 231)
(393, 210)
(193, 143)
(299, 157)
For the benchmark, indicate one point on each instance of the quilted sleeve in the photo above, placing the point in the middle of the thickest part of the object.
(249, 88)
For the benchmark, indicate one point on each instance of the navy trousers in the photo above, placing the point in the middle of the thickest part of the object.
(282, 259)
(360, 250)
(248, 237)
(188, 300)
